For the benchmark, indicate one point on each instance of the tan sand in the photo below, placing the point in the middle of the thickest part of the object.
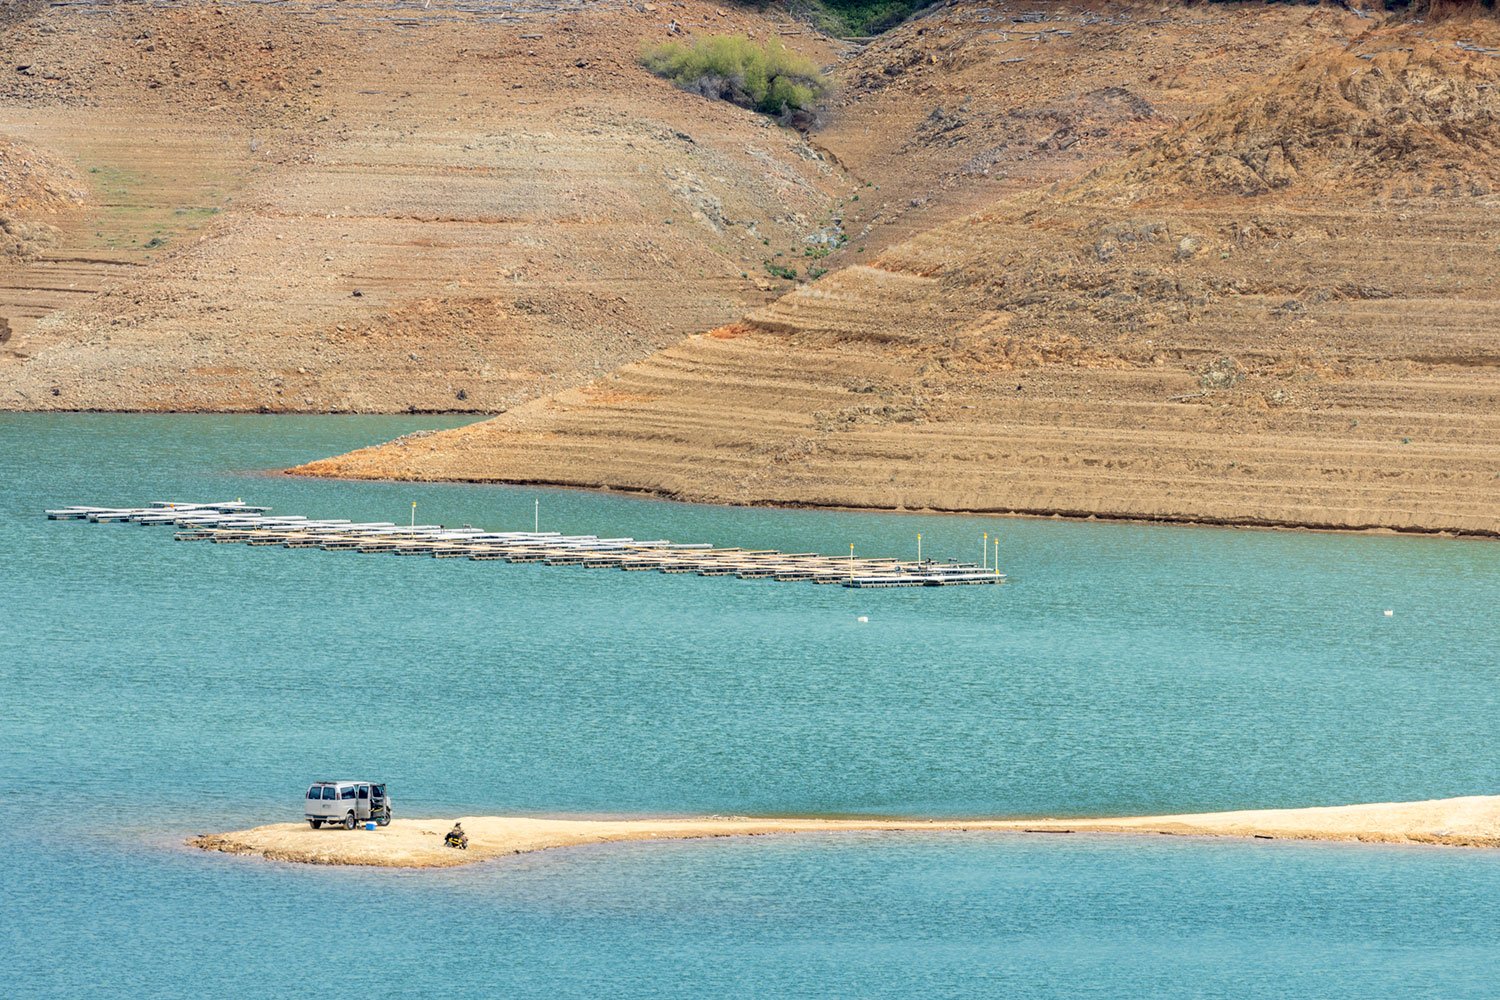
(1473, 821)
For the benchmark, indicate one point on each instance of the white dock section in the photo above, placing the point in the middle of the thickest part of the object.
(237, 522)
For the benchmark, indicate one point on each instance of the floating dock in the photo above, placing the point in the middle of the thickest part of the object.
(236, 522)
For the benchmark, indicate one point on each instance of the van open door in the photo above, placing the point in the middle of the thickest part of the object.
(380, 806)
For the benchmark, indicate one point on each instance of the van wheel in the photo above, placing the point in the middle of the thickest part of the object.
(384, 819)
(349, 822)
(316, 824)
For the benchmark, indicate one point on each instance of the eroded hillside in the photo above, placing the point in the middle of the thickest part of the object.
(1281, 310)
(36, 193)
(382, 205)
(969, 102)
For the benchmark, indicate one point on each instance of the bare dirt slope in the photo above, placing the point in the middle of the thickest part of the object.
(1281, 311)
(37, 193)
(382, 205)
(34, 188)
(971, 101)
(1462, 822)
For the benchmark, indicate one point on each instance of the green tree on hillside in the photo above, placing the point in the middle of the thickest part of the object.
(767, 77)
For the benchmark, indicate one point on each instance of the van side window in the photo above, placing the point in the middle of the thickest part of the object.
(364, 791)
(348, 793)
(329, 792)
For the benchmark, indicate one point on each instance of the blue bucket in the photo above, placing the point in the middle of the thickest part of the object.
(370, 826)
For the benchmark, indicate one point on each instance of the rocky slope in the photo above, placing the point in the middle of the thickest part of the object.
(1280, 311)
(381, 205)
(35, 192)
(969, 102)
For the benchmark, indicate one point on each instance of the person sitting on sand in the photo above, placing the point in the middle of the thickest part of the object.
(457, 838)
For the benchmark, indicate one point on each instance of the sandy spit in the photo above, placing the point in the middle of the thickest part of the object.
(1473, 821)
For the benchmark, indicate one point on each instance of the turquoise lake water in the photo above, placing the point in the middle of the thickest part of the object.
(150, 690)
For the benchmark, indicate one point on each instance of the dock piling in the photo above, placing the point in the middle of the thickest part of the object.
(233, 522)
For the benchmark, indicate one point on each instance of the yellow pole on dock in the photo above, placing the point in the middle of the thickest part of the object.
(851, 560)
(536, 515)
(997, 555)
(984, 552)
(919, 546)
(413, 513)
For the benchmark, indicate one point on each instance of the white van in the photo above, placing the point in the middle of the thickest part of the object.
(346, 802)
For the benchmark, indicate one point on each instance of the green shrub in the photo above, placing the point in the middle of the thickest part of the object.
(848, 17)
(769, 78)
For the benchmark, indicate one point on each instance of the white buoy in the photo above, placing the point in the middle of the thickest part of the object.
(862, 619)
(1389, 613)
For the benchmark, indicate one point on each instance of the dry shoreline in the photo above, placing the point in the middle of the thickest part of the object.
(1471, 821)
(1040, 514)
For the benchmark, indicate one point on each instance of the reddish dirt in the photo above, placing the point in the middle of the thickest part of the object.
(377, 206)
(1213, 262)
(1244, 322)
(970, 102)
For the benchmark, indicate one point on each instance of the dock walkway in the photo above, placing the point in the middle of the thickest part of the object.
(235, 522)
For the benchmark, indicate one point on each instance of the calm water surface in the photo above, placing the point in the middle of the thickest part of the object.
(149, 690)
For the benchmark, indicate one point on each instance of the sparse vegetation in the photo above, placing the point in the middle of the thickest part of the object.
(777, 271)
(767, 77)
(851, 17)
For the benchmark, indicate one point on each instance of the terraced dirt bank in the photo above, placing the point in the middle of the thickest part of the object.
(378, 206)
(1281, 311)
(1228, 263)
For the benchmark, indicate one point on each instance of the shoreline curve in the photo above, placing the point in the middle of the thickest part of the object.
(1470, 821)
(313, 470)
